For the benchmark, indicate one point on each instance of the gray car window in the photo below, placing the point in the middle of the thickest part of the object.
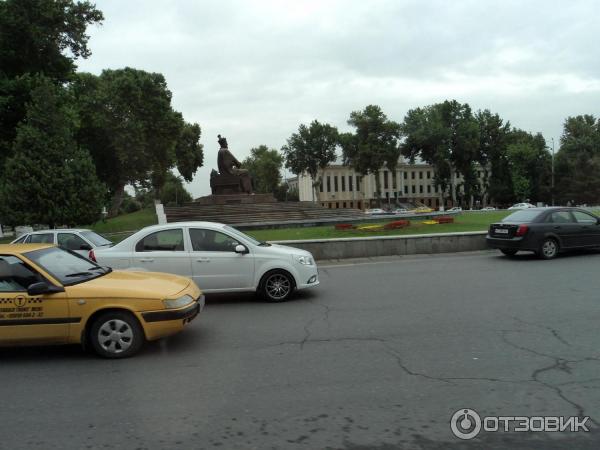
(582, 217)
(560, 217)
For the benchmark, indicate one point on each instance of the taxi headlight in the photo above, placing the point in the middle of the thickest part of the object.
(305, 260)
(178, 302)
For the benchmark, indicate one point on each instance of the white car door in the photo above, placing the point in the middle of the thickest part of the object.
(216, 265)
(163, 251)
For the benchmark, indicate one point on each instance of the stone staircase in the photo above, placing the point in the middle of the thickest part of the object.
(257, 213)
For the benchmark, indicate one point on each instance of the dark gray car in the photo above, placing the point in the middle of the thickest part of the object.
(545, 231)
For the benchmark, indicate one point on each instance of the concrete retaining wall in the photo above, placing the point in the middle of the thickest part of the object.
(391, 245)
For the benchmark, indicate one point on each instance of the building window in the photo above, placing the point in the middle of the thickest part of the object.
(328, 183)
(405, 175)
(358, 181)
(344, 202)
(428, 174)
(343, 184)
(420, 189)
(429, 189)
(337, 205)
(350, 178)
(335, 183)
(385, 179)
(414, 189)
(412, 174)
(321, 186)
(405, 189)
(420, 175)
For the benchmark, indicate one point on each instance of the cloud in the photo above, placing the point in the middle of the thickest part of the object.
(254, 71)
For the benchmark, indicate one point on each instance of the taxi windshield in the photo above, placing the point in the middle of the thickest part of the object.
(66, 266)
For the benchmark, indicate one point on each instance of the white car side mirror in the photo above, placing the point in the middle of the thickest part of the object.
(241, 249)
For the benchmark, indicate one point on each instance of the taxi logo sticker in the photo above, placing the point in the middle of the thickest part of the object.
(20, 301)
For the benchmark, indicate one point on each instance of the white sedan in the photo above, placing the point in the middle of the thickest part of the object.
(217, 257)
(522, 206)
(78, 240)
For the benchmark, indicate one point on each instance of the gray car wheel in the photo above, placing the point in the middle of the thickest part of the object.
(277, 286)
(549, 249)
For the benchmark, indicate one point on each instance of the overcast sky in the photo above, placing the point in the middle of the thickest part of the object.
(255, 70)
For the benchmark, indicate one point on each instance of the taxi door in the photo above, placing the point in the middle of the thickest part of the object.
(29, 319)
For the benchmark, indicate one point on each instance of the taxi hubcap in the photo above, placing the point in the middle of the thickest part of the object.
(278, 286)
(115, 336)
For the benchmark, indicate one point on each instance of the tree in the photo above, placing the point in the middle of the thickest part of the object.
(577, 164)
(311, 150)
(373, 145)
(49, 179)
(174, 192)
(264, 165)
(133, 134)
(530, 161)
(492, 157)
(445, 135)
(37, 37)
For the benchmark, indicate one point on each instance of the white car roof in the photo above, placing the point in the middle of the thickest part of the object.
(59, 230)
(166, 226)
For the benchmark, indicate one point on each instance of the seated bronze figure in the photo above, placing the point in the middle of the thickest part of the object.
(231, 179)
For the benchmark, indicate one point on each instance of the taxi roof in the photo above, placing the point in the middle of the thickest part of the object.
(22, 248)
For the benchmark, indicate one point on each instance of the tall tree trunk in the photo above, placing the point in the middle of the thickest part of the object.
(378, 189)
(116, 201)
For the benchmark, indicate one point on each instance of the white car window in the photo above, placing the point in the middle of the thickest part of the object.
(44, 238)
(211, 241)
(162, 241)
(71, 241)
(21, 240)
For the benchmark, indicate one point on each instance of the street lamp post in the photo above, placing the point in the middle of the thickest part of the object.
(552, 184)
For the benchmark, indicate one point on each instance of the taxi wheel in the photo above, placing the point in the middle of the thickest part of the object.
(509, 251)
(277, 286)
(116, 334)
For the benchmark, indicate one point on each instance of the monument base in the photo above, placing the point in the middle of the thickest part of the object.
(230, 199)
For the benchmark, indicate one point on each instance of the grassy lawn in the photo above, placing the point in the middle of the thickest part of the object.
(118, 228)
(126, 222)
(466, 221)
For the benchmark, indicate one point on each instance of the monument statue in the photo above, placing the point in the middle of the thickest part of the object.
(231, 179)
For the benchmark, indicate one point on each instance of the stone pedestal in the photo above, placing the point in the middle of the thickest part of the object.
(235, 199)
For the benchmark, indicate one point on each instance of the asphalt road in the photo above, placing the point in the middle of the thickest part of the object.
(378, 357)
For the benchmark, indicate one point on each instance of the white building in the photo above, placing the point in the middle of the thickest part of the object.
(342, 187)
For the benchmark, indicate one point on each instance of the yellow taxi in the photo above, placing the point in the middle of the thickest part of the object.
(52, 296)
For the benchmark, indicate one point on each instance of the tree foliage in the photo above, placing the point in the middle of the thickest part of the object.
(445, 135)
(37, 37)
(311, 149)
(50, 180)
(577, 165)
(132, 132)
(264, 165)
(373, 145)
(493, 158)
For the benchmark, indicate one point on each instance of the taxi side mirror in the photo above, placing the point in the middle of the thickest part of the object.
(43, 288)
